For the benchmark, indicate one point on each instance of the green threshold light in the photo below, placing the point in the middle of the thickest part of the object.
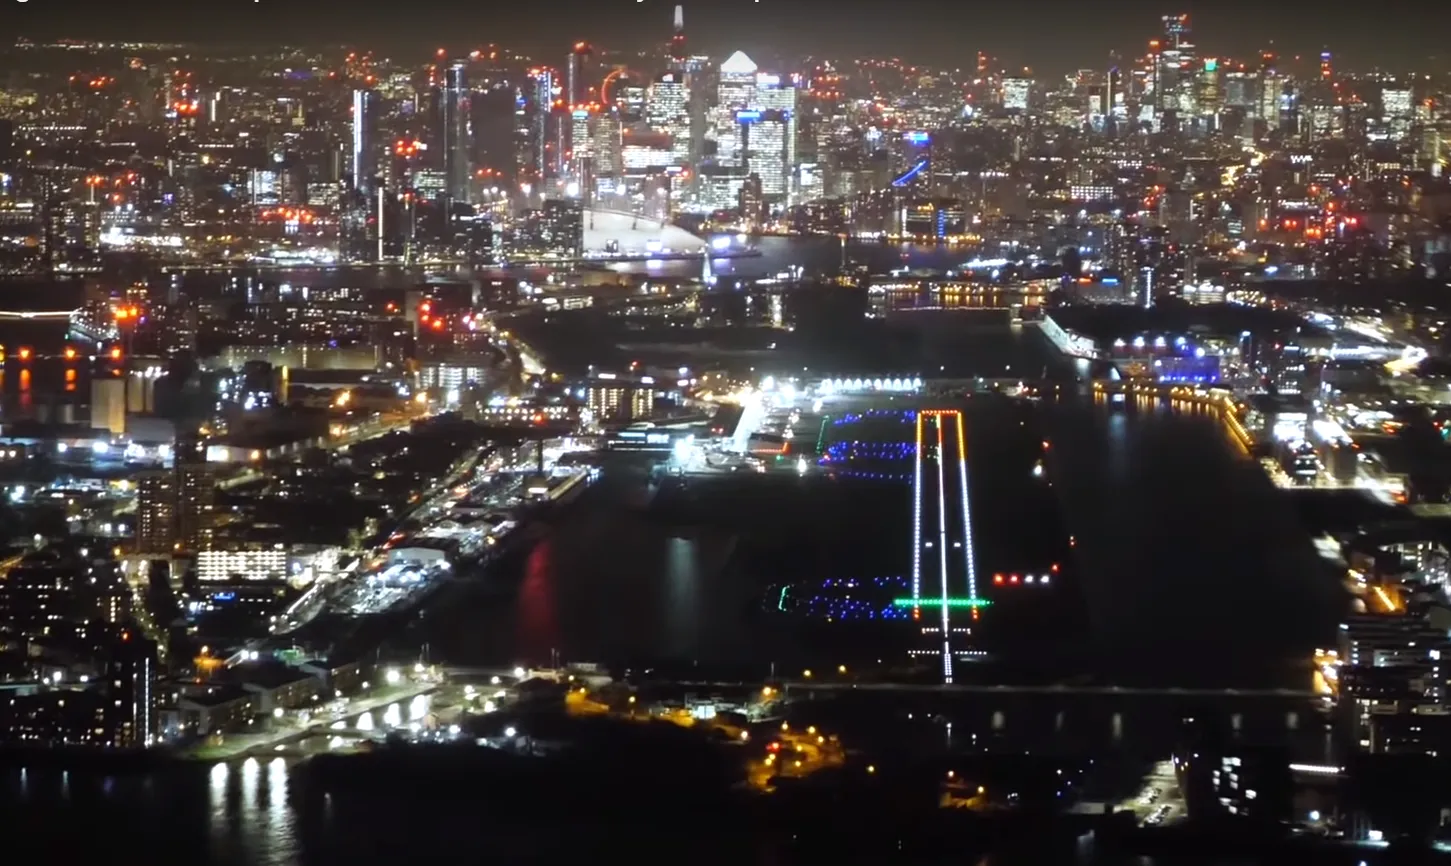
(937, 602)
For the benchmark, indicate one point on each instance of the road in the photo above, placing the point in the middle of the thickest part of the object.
(1158, 800)
(243, 745)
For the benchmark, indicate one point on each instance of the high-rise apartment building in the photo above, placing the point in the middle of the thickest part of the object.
(562, 226)
(155, 512)
(195, 487)
(131, 677)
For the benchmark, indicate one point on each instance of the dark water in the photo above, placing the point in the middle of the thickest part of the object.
(813, 255)
(1190, 569)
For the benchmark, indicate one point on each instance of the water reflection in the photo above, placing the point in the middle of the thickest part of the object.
(682, 595)
(217, 806)
(537, 619)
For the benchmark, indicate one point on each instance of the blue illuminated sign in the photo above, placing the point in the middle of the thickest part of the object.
(917, 137)
(747, 116)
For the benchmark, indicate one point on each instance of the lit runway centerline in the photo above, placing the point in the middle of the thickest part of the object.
(942, 557)
(917, 519)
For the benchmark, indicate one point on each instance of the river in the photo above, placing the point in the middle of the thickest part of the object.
(1192, 572)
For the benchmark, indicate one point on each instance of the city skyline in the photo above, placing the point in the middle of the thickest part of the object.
(1051, 37)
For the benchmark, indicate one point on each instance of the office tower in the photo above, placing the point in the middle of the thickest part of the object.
(454, 129)
(1397, 111)
(1271, 99)
(735, 91)
(582, 162)
(606, 134)
(365, 140)
(155, 512)
(562, 226)
(667, 110)
(1208, 94)
(763, 137)
(577, 75)
(493, 116)
(541, 103)
(1241, 90)
(777, 103)
(1016, 93)
(1173, 62)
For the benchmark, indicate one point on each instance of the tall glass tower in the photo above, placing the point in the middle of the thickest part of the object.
(365, 140)
(454, 118)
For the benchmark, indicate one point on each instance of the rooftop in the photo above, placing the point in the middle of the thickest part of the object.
(738, 64)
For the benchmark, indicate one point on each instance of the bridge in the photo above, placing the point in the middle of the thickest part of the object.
(1053, 689)
(906, 177)
(823, 685)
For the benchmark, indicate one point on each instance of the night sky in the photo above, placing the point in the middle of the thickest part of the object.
(1051, 35)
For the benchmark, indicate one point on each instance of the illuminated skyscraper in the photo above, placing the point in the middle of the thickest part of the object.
(677, 41)
(1016, 93)
(777, 102)
(454, 122)
(578, 74)
(763, 134)
(1173, 67)
(735, 92)
(541, 103)
(365, 140)
(667, 110)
